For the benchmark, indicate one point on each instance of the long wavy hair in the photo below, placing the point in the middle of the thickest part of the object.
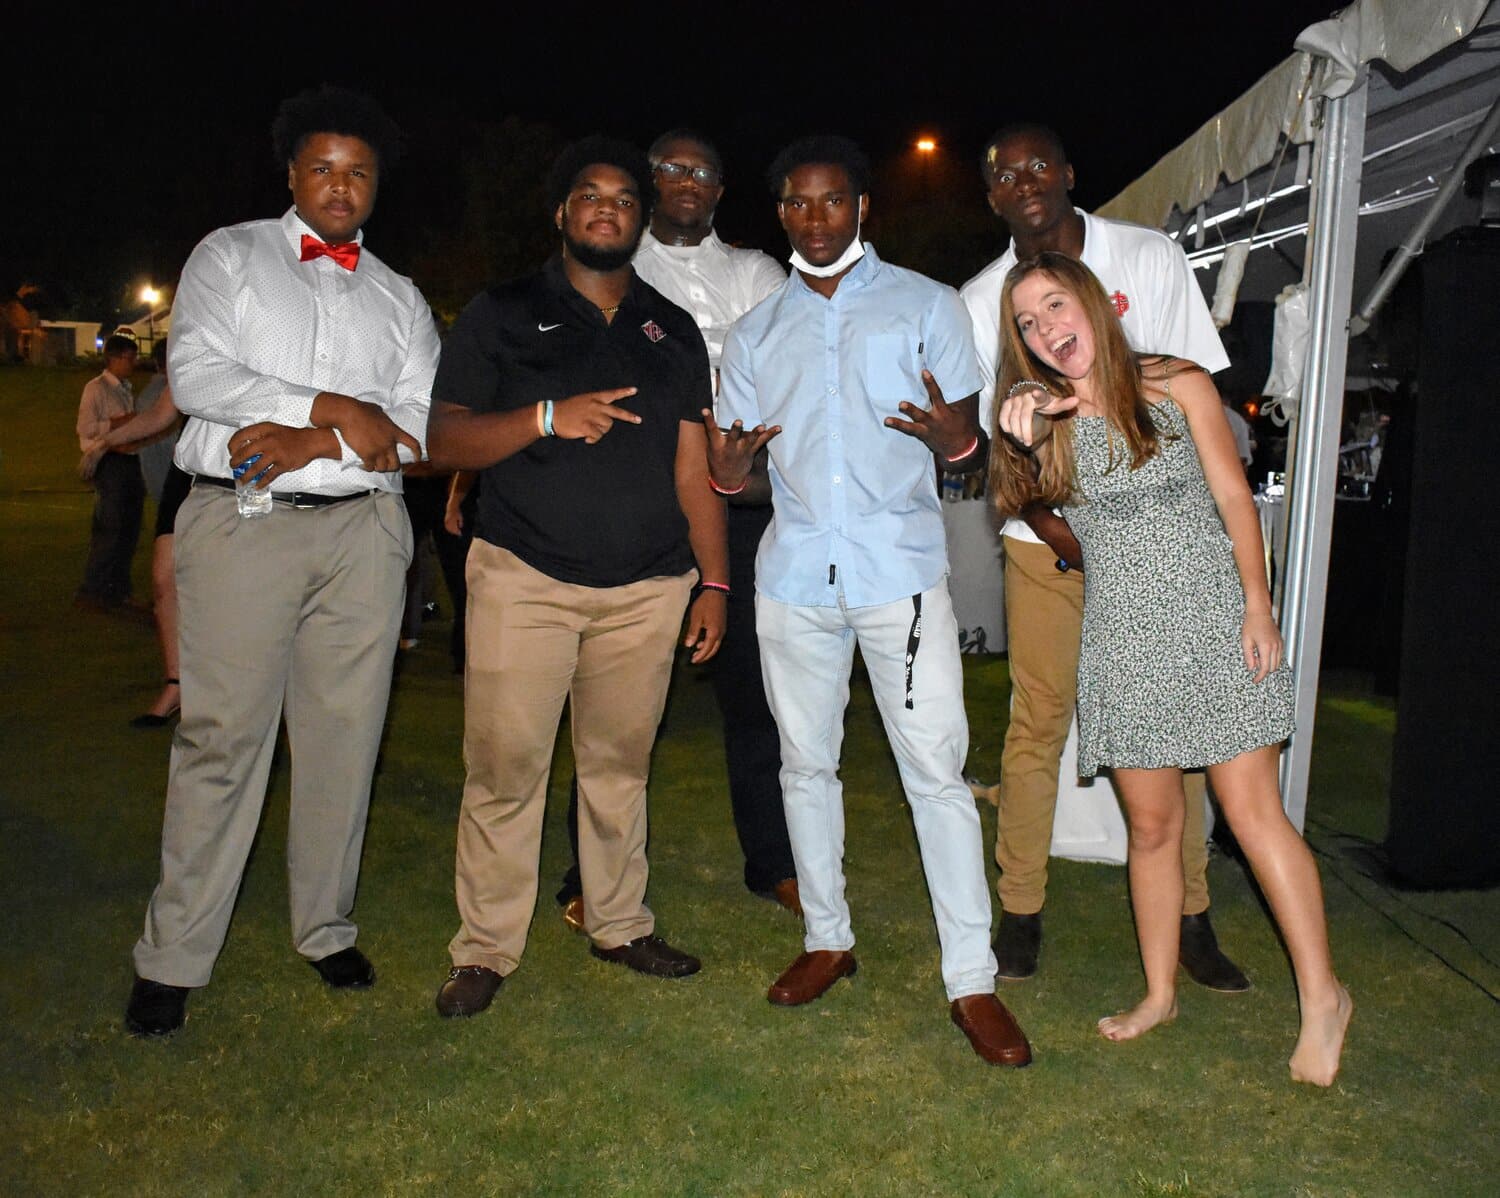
(1047, 475)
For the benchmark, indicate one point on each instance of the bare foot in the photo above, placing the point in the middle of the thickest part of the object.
(1137, 1021)
(1321, 1042)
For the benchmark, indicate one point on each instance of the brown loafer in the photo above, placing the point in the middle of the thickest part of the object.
(992, 1030)
(786, 893)
(468, 990)
(810, 976)
(572, 913)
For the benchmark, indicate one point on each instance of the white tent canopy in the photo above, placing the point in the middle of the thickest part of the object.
(1326, 154)
(1408, 111)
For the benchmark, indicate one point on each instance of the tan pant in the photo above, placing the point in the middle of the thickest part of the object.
(299, 609)
(1044, 622)
(534, 642)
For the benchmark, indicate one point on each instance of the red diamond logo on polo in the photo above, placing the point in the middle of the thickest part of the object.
(1121, 302)
(653, 330)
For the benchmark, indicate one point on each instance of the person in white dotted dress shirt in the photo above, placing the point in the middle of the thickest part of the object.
(299, 354)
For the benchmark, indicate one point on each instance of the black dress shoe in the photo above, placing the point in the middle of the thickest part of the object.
(468, 990)
(347, 969)
(155, 1009)
(1017, 945)
(1200, 956)
(650, 955)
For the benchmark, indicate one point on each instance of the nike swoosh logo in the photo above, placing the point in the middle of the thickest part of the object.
(547, 328)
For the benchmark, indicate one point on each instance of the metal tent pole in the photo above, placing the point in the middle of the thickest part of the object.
(1416, 239)
(1313, 478)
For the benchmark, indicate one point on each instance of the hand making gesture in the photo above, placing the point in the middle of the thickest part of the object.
(731, 451)
(946, 429)
(589, 416)
(1025, 410)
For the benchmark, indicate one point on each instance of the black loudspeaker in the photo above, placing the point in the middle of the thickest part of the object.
(1445, 820)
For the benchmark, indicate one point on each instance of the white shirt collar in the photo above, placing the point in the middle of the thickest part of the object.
(294, 227)
(709, 244)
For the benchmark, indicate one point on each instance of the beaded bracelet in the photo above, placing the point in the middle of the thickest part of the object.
(1026, 385)
(712, 482)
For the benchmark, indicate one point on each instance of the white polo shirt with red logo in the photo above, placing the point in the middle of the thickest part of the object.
(1151, 285)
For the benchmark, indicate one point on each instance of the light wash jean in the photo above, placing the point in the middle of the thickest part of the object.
(806, 656)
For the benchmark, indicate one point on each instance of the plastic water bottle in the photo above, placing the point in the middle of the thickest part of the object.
(251, 500)
(953, 487)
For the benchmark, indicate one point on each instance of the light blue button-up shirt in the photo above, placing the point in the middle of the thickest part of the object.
(856, 503)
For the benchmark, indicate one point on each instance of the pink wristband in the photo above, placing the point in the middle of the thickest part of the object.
(720, 490)
(714, 586)
(958, 457)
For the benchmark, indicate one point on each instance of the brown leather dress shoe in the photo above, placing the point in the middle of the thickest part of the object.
(572, 913)
(786, 893)
(992, 1030)
(468, 990)
(810, 976)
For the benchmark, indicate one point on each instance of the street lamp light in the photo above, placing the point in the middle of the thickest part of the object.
(926, 145)
(149, 296)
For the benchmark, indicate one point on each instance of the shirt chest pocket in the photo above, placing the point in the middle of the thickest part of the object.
(892, 371)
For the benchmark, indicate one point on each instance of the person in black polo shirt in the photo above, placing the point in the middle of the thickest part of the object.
(576, 391)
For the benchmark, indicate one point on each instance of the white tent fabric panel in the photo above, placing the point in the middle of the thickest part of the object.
(1247, 135)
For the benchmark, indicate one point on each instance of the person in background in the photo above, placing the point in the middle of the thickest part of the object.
(153, 427)
(1239, 428)
(453, 538)
(119, 490)
(1028, 177)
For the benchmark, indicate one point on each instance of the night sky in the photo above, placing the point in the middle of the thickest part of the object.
(135, 129)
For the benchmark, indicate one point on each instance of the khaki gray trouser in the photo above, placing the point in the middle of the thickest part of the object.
(1043, 625)
(296, 611)
(533, 643)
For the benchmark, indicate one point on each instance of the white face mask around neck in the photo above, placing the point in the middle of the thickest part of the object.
(853, 252)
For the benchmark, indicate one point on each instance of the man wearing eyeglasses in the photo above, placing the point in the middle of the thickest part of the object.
(684, 259)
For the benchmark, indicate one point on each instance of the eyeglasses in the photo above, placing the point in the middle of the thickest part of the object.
(676, 172)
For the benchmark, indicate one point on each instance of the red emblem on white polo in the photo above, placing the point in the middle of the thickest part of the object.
(1121, 302)
(653, 330)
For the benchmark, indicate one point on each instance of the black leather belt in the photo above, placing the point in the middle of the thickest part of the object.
(302, 499)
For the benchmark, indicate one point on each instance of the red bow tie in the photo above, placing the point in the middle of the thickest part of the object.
(346, 253)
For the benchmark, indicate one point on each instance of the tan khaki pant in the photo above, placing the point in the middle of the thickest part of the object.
(534, 642)
(299, 611)
(1044, 622)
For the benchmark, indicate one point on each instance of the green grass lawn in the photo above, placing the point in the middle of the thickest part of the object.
(586, 1078)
